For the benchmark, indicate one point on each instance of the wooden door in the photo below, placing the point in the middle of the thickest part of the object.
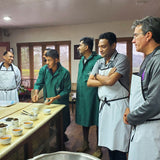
(4, 46)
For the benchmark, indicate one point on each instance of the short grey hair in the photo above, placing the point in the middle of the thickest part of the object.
(151, 24)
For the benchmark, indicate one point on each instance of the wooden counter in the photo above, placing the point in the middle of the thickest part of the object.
(6, 111)
(26, 143)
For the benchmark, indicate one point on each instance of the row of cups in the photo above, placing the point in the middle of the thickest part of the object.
(16, 130)
(34, 115)
(45, 111)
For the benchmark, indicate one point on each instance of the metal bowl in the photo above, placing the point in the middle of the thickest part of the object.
(64, 155)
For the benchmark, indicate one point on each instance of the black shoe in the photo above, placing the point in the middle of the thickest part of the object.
(65, 138)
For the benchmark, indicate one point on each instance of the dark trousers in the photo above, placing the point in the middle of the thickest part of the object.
(117, 155)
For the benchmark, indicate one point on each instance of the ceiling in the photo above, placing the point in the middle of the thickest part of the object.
(41, 13)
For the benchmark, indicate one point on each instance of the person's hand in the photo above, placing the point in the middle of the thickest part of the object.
(35, 98)
(112, 71)
(49, 100)
(97, 76)
(127, 111)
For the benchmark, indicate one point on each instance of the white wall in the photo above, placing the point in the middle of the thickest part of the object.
(68, 32)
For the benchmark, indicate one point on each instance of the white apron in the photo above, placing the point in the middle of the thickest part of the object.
(8, 86)
(145, 138)
(113, 133)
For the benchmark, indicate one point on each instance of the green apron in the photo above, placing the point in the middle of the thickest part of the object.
(87, 101)
(55, 84)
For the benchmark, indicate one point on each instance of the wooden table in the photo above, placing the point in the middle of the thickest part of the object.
(33, 140)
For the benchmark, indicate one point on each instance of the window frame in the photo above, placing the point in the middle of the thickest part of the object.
(31, 56)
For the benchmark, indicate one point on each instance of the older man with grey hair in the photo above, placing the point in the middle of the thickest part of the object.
(144, 108)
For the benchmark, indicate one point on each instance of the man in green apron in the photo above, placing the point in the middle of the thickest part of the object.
(87, 101)
(144, 107)
(56, 80)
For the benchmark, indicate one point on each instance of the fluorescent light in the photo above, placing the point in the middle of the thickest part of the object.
(7, 18)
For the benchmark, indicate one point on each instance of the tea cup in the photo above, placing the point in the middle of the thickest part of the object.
(15, 123)
(47, 111)
(33, 117)
(35, 110)
(6, 139)
(2, 130)
(17, 131)
(28, 124)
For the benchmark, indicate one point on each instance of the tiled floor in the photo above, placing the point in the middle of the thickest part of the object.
(74, 133)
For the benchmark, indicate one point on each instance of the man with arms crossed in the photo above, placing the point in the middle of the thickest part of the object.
(111, 75)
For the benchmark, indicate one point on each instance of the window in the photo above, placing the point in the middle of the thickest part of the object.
(37, 53)
(25, 62)
(30, 58)
(137, 59)
(64, 55)
(122, 47)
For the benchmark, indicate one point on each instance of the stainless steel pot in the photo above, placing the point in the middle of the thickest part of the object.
(64, 155)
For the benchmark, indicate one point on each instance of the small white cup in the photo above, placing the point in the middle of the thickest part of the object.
(33, 117)
(17, 131)
(28, 124)
(47, 111)
(15, 123)
(46, 101)
(2, 131)
(35, 110)
(6, 139)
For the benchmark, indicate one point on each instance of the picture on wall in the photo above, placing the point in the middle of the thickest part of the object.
(76, 52)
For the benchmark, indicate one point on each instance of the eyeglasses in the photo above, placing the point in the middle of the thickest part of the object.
(135, 35)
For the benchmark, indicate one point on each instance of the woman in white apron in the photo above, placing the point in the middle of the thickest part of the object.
(8, 84)
(113, 133)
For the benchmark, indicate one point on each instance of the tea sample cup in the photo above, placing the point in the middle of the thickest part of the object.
(28, 124)
(47, 111)
(2, 129)
(46, 101)
(35, 110)
(17, 131)
(33, 117)
(15, 122)
(6, 139)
